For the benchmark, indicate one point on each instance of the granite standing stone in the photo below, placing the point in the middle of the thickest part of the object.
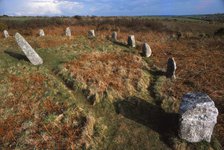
(68, 32)
(146, 50)
(198, 117)
(171, 68)
(131, 41)
(114, 36)
(6, 34)
(91, 34)
(34, 58)
(41, 32)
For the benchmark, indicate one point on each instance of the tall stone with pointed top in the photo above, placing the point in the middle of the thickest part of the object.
(131, 41)
(114, 36)
(68, 32)
(41, 32)
(30, 53)
(171, 68)
(6, 34)
(198, 117)
(146, 50)
(91, 34)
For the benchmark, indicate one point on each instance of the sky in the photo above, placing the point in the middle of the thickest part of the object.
(109, 7)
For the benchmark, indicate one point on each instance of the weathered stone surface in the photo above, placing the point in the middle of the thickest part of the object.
(146, 50)
(34, 58)
(6, 34)
(68, 32)
(41, 32)
(114, 36)
(131, 41)
(171, 68)
(198, 117)
(91, 34)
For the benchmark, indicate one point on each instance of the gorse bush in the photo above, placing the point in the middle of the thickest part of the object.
(134, 24)
(3, 26)
(101, 23)
(21, 23)
(219, 32)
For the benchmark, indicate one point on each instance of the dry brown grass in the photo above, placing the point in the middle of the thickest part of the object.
(199, 62)
(199, 66)
(100, 72)
(28, 120)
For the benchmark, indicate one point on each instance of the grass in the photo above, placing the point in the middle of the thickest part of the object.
(139, 114)
(30, 116)
(106, 74)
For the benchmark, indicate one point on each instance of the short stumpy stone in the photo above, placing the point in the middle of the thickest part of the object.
(91, 34)
(198, 117)
(30, 53)
(146, 50)
(131, 41)
(68, 32)
(41, 32)
(114, 36)
(6, 34)
(171, 68)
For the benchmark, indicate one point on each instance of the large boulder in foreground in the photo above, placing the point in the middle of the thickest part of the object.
(198, 117)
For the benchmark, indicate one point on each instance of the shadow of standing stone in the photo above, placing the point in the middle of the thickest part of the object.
(152, 116)
(16, 55)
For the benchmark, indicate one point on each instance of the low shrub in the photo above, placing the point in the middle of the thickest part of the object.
(3, 26)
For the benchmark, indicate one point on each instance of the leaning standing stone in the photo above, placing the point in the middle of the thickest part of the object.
(91, 34)
(68, 32)
(146, 50)
(131, 41)
(41, 32)
(6, 34)
(171, 68)
(198, 117)
(34, 58)
(114, 36)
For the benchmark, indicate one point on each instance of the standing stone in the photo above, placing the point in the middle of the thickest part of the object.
(68, 32)
(131, 41)
(41, 32)
(34, 58)
(6, 34)
(146, 50)
(91, 34)
(114, 36)
(171, 68)
(198, 117)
